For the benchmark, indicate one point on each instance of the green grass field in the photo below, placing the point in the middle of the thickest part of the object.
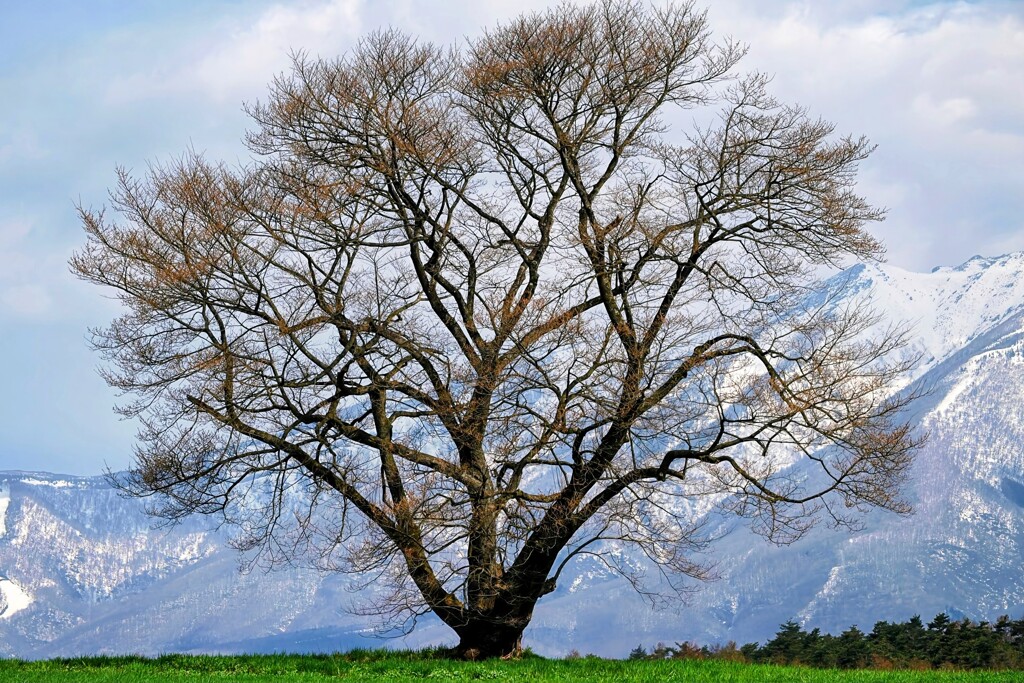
(404, 666)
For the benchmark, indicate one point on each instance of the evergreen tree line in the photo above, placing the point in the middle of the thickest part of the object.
(943, 643)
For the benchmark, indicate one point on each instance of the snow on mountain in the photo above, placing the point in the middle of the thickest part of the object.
(5, 501)
(84, 571)
(947, 308)
(13, 599)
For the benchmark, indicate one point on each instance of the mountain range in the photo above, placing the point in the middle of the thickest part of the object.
(85, 571)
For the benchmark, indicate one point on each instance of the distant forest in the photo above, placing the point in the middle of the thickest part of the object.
(941, 644)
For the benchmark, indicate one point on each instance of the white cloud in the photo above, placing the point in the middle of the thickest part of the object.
(12, 232)
(936, 86)
(20, 146)
(17, 263)
(251, 55)
(26, 301)
(31, 270)
(236, 59)
(944, 114)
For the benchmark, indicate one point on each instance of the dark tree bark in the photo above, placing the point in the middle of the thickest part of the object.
(468, 315)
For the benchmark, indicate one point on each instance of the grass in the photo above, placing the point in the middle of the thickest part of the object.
(358, 666)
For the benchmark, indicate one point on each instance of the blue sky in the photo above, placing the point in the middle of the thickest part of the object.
(87, 85)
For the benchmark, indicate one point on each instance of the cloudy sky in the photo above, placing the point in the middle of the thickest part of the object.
(87, 85)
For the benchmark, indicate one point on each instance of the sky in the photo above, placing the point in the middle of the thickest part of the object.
(90, 85)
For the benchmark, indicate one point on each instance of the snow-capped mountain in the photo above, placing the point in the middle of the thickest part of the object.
(84, 571)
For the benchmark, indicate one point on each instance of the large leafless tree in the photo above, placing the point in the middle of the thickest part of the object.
(481, 312)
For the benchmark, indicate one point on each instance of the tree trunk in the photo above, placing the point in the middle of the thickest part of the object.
(489, 640)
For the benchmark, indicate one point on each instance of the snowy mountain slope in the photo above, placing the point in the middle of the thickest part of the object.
(101, 579)
(962, 549)
(948, 308)
(81, 570)
(5, 501)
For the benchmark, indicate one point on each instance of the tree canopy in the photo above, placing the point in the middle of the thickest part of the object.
(481, 311)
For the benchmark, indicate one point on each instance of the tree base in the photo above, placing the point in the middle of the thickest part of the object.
(490, 645)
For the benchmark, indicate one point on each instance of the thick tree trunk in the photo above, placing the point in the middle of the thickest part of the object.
(489, 640)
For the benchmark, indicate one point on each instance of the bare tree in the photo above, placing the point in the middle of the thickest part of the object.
(484, 317)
